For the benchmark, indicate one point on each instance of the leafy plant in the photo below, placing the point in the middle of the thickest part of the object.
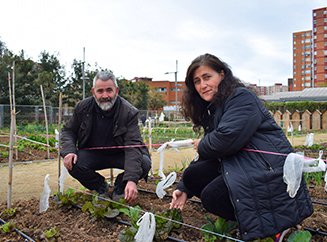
(8, 227)
(100, 209)
(133, 213)
(219, 227)
(164, 223)
(70, 197)
(11, 211)
(5, 154)
(299, 236)
(318, 176)
(51, 234)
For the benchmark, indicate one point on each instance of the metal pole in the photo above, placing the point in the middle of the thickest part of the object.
(176, 90)
(59, 138)
(83, 73)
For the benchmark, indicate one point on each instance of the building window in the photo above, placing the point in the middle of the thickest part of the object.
(294, 43)
(294, 54)
(162, 89)
(325, 27)
(294, 67)
(294, 73)
(325, 20)
(314, 30)
(314, 14)
(314, 21)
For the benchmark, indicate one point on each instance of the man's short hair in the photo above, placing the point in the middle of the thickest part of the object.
(105, 76)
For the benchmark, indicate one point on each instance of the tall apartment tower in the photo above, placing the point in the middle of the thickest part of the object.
(320, 46)
(302, 60)
(310, 54)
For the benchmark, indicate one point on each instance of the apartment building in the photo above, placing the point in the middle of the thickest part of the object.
(166, 88)
(310, 54)
(302, 60)
(268, 90)
(320, 46)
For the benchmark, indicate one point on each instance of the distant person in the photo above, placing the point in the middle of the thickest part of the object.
(143, 119)
(105, 120)
(233, 183)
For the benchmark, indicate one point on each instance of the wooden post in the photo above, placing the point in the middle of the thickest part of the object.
(14, 107)
(150, 143)
(46, 122)
(10, 147)
(59, 137)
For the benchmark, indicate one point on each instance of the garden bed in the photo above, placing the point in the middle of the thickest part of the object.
(75, 225)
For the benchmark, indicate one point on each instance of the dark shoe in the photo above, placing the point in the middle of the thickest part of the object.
(119, 188)
(103, 191)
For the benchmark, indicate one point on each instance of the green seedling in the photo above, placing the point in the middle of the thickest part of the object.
(299, 236)
(51, 234)
(219, 227)
(5, 154)
(8, 227)
(164, 223)
(100, 209)
(11, 211)
(318, 176)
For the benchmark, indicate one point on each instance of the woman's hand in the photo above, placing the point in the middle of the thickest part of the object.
(179, 200)
(196, 144)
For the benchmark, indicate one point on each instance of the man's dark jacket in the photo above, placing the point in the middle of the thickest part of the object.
(126, 132)
(254, 180)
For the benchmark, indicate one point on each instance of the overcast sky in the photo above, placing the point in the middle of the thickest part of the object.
(144, 38)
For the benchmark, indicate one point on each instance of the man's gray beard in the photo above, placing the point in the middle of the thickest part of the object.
(106, 106)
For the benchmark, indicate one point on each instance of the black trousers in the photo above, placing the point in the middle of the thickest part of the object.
(204, 180)
(89, 161)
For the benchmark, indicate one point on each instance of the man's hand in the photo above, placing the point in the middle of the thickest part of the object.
(130, 191)
(69, 159)
(179, 199)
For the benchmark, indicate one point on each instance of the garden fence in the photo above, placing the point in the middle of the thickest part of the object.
(30, 113)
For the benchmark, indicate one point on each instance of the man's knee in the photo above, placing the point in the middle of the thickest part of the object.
(146, 165)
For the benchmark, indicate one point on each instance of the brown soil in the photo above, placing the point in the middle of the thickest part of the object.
(28, 182)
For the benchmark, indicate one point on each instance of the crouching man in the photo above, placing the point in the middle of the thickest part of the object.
(98, 123)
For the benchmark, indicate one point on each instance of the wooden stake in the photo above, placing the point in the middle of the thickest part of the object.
(150, 143)
(46, 122)
(59, 138)
(14, 106)
(10, 147)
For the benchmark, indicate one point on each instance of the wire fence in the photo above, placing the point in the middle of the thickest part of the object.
(26, 114)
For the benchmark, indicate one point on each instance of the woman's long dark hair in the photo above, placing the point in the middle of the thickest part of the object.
(193, 106)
